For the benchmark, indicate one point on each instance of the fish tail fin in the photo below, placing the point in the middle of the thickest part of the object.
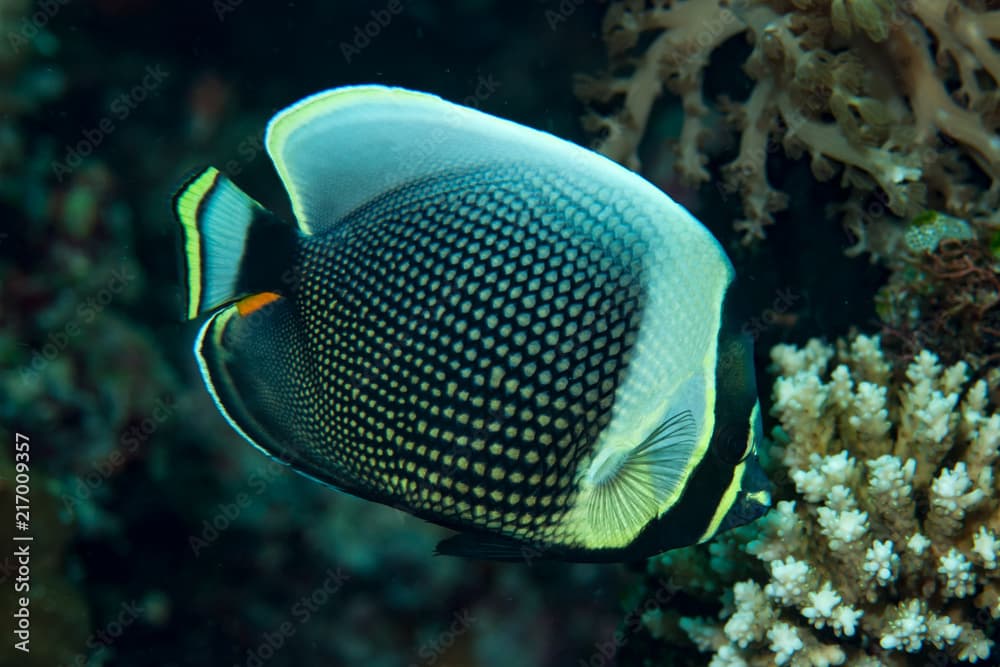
(232, 246)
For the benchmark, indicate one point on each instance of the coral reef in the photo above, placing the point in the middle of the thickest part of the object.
(901, 98)
(946, 298)
(888, 549)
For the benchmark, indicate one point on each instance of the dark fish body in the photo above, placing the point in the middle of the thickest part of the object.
(480, 324)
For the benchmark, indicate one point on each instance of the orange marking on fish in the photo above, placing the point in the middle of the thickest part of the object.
(255, 302)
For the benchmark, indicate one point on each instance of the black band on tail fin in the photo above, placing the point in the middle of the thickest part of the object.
(232, 246)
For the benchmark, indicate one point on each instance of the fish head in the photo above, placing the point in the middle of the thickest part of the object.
(738, 447)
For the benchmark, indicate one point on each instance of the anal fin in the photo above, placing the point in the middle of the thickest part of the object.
(486, 546)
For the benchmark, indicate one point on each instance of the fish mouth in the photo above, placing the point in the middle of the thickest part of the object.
(748, 508)
(753, 501)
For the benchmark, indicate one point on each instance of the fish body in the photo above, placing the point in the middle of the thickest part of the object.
(481, 324)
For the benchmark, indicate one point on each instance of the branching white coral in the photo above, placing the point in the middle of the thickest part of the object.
(869, 413)
(785, 527)
(866, 360)
(956, 570)
(891, 538)
(845, 619)
(889, 477)
(907, 628)
(753, 615)
(785, 641)
(701, 632)
(841, 499)
(941, 631)
(821, 605)
(727, 656)
(811, 359)
(842, 529)
(952, 494)
(987, 547)
(789, 580)
(918, 543)
(825, 474)
(881, 562)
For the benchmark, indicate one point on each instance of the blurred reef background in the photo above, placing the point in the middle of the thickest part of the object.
(846, 154)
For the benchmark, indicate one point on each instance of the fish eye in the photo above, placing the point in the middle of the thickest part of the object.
(733, 445)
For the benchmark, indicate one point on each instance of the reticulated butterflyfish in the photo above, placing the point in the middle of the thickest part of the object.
(491, 328)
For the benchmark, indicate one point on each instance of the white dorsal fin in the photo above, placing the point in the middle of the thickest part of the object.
(341, 148)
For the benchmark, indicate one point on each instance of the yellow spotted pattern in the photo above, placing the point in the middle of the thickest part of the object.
(465, 337)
